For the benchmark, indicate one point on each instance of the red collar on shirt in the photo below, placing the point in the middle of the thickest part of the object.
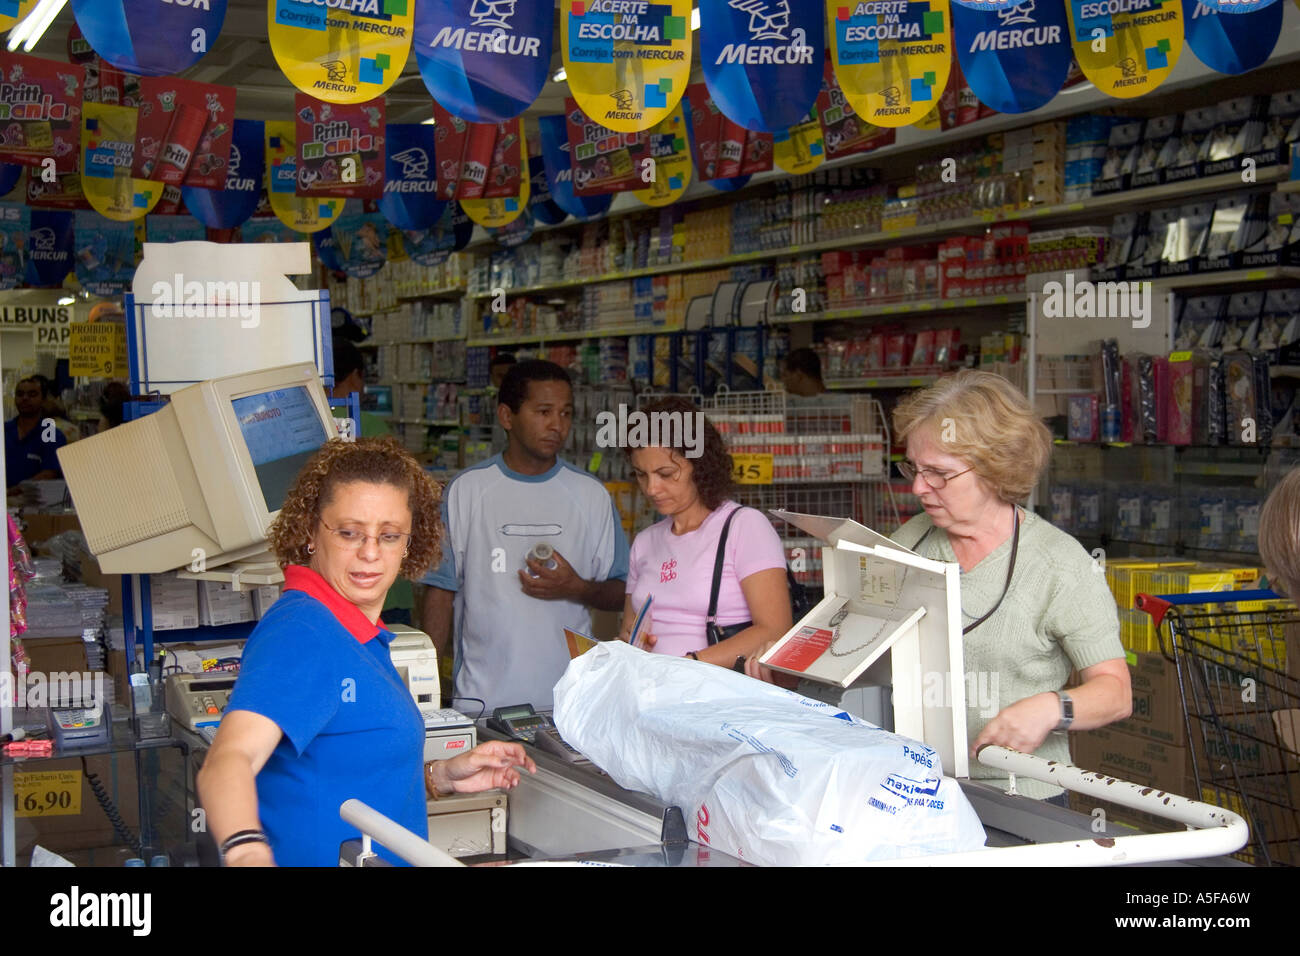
(300, 578)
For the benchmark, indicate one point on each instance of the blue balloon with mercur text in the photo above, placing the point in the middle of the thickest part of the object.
(485, 61)
(231, 206)
(1231, 44)
(763, 59)
(148, 37)
(541, 206)
(451, 233)
(49, 247)
(1014, 56)
(559, 171)
(410, 199)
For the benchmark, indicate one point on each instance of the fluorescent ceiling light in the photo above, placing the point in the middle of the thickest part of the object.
(431, 121)
(695, 18)
(560, 75)
(33, 27)
(68, 300)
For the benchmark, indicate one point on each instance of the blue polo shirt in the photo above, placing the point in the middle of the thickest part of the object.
(318, 668)
(26, 456)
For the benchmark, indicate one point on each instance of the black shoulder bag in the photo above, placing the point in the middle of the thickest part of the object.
(799, 603)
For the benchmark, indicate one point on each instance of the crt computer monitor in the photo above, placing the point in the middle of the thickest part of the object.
(203, 477)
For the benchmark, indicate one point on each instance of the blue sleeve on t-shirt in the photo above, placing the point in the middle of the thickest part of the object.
(619, 569)
(291, 674)
(445, 575)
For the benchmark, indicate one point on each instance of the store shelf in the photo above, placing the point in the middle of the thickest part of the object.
(567, 336)
(1098, 204)
(1228, 277)
(424, 341)
(1224, 469)
(436, 422)
(1284, 371)
(905, 308)
(883, 381)
(1290, 186)
(455, 292)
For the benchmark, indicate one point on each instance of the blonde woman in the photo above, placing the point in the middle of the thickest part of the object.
(1035, 606)
(1279, 536)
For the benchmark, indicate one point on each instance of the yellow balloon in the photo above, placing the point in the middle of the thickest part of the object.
(802, 148)
(299, 213)
(1129, 54)
(9, 20)
(669, 174)
(107, 184)
(338, 56)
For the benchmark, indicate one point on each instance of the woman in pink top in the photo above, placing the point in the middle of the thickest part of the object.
(673, 559)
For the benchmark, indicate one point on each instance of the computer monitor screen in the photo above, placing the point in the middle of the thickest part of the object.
(282, 429)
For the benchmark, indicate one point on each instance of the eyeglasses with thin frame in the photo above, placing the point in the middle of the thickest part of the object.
(351, 539)
(935, 479)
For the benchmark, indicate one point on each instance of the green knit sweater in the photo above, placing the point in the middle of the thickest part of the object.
(1058, 616)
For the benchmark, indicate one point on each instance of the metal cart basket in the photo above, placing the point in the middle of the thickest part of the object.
(1241, 703)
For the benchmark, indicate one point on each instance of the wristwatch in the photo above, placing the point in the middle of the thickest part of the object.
(1067, 710)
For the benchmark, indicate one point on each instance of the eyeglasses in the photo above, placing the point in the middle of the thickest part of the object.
(352, 540)
(936, 480)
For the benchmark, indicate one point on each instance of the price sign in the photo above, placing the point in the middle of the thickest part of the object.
(752, 469)
(48, 793)
(97, 350)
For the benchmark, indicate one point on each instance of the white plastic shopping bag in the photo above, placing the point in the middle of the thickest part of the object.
(762, 773)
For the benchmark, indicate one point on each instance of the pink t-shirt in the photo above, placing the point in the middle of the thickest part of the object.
(678, 571)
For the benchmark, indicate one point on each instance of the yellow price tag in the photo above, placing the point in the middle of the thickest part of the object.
(1180, 356)
(1285, 219)
(1131, 658)
(752, 469)
(47, 793)
(594, 464)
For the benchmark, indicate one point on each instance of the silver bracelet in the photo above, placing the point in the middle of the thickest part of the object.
(242, 837)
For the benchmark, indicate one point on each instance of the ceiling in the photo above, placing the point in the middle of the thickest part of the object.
(242, 58)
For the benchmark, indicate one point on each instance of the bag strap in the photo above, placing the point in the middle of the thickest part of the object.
(717, 569)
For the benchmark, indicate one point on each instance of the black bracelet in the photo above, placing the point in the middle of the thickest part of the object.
(739, 666)
(242, 837)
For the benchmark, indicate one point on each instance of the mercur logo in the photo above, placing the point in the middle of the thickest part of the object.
(493, 18)
(1097, 300)
(638, 429)
(1003, 37)
(415, 173)
(770, 22)
(207, 300)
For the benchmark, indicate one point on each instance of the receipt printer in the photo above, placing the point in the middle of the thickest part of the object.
(446, 732)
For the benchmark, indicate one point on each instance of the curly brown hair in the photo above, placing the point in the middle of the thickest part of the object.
(375, 460)
(712, 470)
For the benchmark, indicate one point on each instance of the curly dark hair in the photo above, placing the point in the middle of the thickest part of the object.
(377, 460)
(712, 470)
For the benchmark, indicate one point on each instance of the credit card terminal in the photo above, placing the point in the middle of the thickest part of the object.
(79, 723)
(549, 739)
(519, 721)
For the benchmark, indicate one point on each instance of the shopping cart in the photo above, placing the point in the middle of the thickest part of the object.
(1241, 707)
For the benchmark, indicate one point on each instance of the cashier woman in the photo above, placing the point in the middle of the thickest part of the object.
(1035, 606)
(319, 713)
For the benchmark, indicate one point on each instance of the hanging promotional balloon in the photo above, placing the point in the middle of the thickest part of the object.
(40, 111)
(541, 206)
(559, 171)
(1237, 6)
(627, 61)
(107, 145)
(270, 229)
(504, 171)
(300, 213)
(501, 210)
(245, 174)
(516, 233)
(484, 60)
(362, 240)
(64, 193)
(1126, 48)
(703, 121)
(1231, 43)
(49, 247)
(844, 132)
(12, 11)
(451, 233)
(341, 51)
(148, 37)
(104, 253)
(762, 59)
(10, 173)
(410, 199)
(669, 163)
(891, 58)
(327, 250)
(1013, 56)
(174, 229)
(15, 224)
(801, 148)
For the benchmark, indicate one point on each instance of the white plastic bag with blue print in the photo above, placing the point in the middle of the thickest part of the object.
(767, 775)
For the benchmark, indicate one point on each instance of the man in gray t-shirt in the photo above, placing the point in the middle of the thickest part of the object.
(510, 612)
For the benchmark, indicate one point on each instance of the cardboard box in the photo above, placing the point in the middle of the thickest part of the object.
(263, 598)
(40, 526)
(50, 655)
(1157, 703)
(175, 602)
(1134, 759)
(90, 828)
